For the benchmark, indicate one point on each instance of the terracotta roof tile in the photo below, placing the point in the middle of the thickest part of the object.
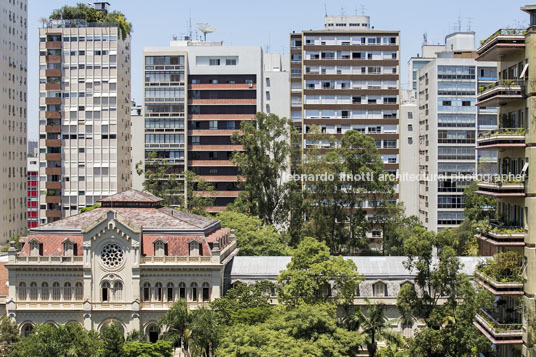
(52, 244)
(177, 244)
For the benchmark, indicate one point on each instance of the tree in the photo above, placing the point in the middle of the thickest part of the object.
(205, 332)
(306, 330)
(63, 340)
(244, 304)
(443, 298)
(253, 238)
(313, 273)
(200, 194)
(9, 336)
(112, 341)
(478, 207)
(160, 348)
(161, 180)
(373, 324)
(396, 228)
(264, 159)
(175, 322)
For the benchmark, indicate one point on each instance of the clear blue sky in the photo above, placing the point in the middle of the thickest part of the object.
(268, 23)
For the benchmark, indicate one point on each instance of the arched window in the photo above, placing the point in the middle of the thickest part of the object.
(22, 291)
(160, 248)
(118, 291)
(68, 248)
(56, 291)
(78, 291)
(26, 330)
(105, 291)
(33, 291)
(67, 291)
(170, 292)
(182, 291)
(158, 294)
(146, 291)
(35, 249)
(206, 292)
(44, 292)
(379, 289)
(193, 288)
(196, 249)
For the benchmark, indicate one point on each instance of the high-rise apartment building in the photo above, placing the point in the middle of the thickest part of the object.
(197, 93)
(276, 84)
(347, 77)
(84, 114)
(13, 106)
(409, 146)
(510, 324)
(448, 125)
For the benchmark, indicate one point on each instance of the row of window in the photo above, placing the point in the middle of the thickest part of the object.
(56, 292)
(57, 38)
(171, 293)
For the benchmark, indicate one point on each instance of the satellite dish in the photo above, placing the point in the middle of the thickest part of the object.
(205, 28)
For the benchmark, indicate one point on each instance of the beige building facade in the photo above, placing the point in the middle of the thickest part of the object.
(13, 122)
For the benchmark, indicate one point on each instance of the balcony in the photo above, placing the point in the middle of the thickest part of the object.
(78, 260)
(53, 86)
(504, 236)
(212, 86)
(53, 170)
(53, 213)
(53, 185)
(52, 115)
(499, 333)
(53, 129)
(503, 42)
(501, 93)
(53, 157)
(53, 100)
(504, 138)
(53, 45)
(514, 187)
(53, 59)
(499, 288)
(53, 142)
(222, 101)
(53, 199)
(53, 72)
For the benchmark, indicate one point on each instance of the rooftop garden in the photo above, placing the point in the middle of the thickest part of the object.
(504, 131)
(504, 267)
(504, 32)
(84, 12)
(502, 82)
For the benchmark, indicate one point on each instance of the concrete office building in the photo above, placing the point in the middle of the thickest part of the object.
(515, 143)
(448, 125)
(84, 115)
(347, 77)
(13, 109)
(197, 94)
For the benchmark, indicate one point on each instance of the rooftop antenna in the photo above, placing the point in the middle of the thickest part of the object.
(469, 23)
(460, 21)
(362, 9)
(424, 39)
(342, 11)
(205, 28)
(325, 10)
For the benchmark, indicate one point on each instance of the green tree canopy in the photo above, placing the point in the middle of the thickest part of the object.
(253, 238)
(9, 336)
(264, 159)
(313, 272)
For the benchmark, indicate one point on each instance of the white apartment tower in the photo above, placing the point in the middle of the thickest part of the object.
(13, 109)
(449, 123)
(84, 115)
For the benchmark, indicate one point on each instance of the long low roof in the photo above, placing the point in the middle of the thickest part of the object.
(258, 268)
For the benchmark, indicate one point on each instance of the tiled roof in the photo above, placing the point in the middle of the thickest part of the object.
(149, 218)
(52, 244)
(177, 244)
(132, 195)
(215, 236)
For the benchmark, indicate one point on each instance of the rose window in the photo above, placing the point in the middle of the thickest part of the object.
(112, 255)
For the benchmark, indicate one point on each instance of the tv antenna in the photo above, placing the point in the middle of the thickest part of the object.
(205, 28)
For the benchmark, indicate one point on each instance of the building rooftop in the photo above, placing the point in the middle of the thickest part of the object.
(129, 197)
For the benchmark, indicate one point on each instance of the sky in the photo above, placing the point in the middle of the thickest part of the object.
(267, 23)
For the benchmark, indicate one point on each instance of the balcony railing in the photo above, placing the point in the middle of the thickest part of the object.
(501, 92)
(513, 186)
(502, 138)
(499, 333)
(49, 260)
(502, 42)
(501, 235)
(499, 288)
(177, 260)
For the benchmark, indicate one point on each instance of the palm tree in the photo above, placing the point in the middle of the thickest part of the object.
(373, 324)
(175, 322)
(205, 333)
